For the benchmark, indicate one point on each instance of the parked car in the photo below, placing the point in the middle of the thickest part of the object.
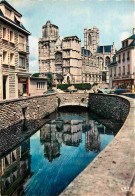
(49, 92)
(119, 91)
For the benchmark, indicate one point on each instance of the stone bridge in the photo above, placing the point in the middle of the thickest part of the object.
(73, 99)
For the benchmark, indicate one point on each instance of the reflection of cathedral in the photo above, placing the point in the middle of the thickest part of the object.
(70, 63)
(92, 138)
(68, 132)
(15, 170)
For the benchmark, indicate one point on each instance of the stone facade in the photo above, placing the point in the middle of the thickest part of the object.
(95, 58)
(14, 53)
(70, 63)
(61, 57)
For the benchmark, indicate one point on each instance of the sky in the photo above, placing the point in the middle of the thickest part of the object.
(114, 18)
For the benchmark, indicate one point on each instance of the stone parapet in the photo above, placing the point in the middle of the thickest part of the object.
(29, 108)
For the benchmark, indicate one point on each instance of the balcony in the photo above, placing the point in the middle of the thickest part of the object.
(23, 48)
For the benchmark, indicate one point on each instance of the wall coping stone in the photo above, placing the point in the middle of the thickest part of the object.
(26, 98)
(112, 171)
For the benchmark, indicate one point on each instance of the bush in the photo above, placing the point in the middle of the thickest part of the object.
(82, 86)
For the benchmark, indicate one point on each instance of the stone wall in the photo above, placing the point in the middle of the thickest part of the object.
(112, 171)
(30, 108)
(73, 99)
(110, 107)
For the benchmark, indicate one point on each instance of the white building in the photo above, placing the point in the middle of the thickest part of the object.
(122, 69)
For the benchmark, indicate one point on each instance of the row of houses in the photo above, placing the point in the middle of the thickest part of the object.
(15, 79)
(122, 68)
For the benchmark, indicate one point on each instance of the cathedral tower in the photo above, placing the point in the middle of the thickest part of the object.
(91, 39)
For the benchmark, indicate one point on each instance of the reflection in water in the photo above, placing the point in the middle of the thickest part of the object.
(15, 170)
(49, 160)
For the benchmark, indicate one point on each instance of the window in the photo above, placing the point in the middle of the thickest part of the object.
(128, 69)
(123, 70)
(8, 12)
(11, 58)
(21, 39)
(128, 55)
(5, 57)
(115, 71)
(119, 70)
(123, 57)
(111, 73)
(119, 58)
(4, 33)
(11, 36)
(22, 62)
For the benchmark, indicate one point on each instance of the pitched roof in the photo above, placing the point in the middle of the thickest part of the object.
(70, 37)
(7, 4)
(106, 49)
(132, 43)
(14, 23)
(132, 36)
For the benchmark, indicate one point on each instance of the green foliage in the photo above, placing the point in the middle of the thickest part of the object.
(81, 86)
(49, 80)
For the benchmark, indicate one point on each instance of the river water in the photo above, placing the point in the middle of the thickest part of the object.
(47, 161)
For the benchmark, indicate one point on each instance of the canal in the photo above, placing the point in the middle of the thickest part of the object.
(47, 161)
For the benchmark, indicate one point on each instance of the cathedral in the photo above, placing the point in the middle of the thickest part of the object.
(71, 63)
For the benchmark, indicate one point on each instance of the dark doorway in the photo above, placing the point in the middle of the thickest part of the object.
(103, 77)
(4, 86)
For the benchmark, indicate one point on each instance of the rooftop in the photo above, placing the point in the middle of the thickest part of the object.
(71, 37)
(8, 5)
(10, 21)
(107, 48)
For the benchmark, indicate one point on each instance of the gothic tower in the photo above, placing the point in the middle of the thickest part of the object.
(91, 39)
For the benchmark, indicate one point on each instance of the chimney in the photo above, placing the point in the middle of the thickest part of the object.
(133, 31)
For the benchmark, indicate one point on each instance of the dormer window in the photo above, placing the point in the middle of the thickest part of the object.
(7, 12)
(17, 21)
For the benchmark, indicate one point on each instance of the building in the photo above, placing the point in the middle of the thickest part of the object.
(14, 53)
(61, 57)
(38, 84)
(95, 65)
(122, 68)
(70, 63)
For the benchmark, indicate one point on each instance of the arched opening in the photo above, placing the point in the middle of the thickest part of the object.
(103, 77)
(89, 40)
(68, 79)
(107, 61)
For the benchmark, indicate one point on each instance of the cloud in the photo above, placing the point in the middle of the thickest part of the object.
(79, 11)
(33, 66)
(33, 43)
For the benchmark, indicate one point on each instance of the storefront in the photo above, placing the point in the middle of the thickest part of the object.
(124, 84)
(23, 86)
